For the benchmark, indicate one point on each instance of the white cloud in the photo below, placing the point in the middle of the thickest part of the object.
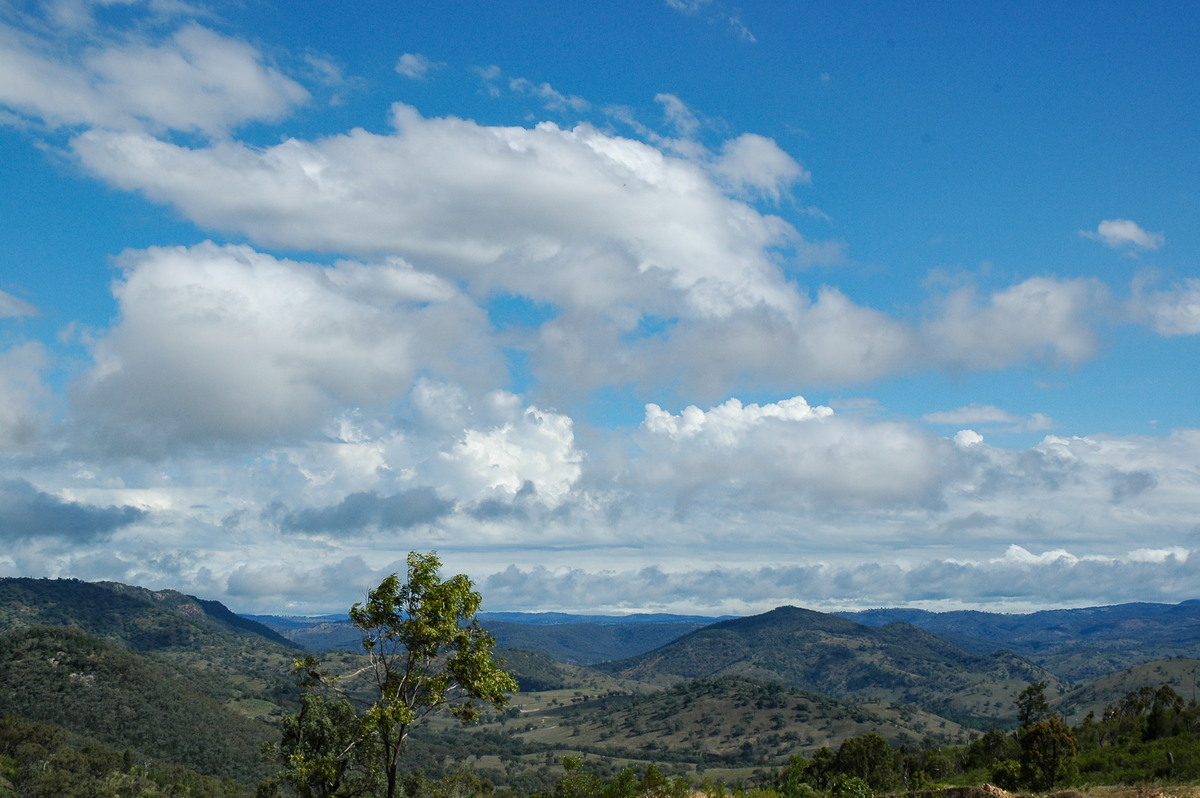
(515, 449)
(726, 422)
(1019, 581)
(788, 454)
(502, 207)
(1040, 318)
(227, 343)
(12, 307)
(1124, 234)
(967, 437)
(1174, 311)
(752, 164)
(416, 66)
(551, 97)
(641, 253)
(24, 398)
(677, 114)
(194, 80)
(713, 11)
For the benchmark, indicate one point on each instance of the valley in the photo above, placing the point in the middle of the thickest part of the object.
(184, 683)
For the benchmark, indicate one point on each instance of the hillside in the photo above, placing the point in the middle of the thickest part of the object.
(833, 655)
(143, 619)
(1077, 645)
(730, 720)
(1181, 675)
(101, 690)
(166, 675)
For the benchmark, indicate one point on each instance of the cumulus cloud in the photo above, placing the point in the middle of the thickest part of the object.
(725, 423)
(577, 216)
(226, 343)
(501, 448)
(789, 453)
(753, 164)
(24, 397)
(1170, 312)
(295, 582)
(27, 513)
(1041, 318)
(1124, 234)
(651, 255)
(194, 80)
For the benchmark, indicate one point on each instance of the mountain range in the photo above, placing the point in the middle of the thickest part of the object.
(180, 679)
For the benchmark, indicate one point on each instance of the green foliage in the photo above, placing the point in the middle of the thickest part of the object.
(1048, 754)
(125, 699)
(535, 671)
(835, 656)
(869, 758)
(142, 619)
(426, 653)
(578, 781)
(38, 759)
(846, 786)
(325, 751)
(1032, 706)
(1006, 774)
(994, 746)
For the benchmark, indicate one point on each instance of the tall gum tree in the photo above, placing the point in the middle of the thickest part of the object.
(426, 653)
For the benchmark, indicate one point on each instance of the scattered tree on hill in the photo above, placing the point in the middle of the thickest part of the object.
(869, 758)
(1048, 748)
(1048, 753)
(1032, 706)
(326, 751)
(426, 653)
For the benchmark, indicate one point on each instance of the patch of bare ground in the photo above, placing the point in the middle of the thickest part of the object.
(984, 791)
(1115, 791)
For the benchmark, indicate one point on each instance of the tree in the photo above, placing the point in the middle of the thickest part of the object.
(324, 750)
(1032, 706)
(426, 653)
(1048, 753)
(869, 758)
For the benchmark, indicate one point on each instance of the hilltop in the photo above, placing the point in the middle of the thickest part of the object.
(1076, 644)
(829, 654)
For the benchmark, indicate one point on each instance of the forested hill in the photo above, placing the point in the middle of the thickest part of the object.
(170, 677)
(1077, 644)
(838, 657)
(140, 618)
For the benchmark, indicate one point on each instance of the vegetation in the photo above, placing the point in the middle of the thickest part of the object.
(1077, 645)
(153, 706)
(837, 657)
(109, 690)
(426, 652)
(40, 759)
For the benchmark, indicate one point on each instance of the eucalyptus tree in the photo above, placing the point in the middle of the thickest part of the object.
(426, 653)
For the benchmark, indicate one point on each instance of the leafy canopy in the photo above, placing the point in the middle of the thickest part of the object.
(425, 652)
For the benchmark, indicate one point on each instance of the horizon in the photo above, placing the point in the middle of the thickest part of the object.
(669, 306)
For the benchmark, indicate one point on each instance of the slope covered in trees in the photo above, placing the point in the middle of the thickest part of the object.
(838, 657)
(1076, 644)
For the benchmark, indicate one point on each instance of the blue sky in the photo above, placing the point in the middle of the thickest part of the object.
(658, 305)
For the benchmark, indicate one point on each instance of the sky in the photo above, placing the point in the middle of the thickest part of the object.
(645, 305)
